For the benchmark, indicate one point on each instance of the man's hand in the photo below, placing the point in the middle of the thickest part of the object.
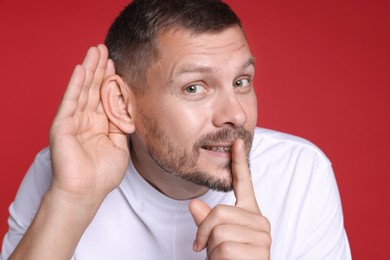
(89, 154)
(239, 232)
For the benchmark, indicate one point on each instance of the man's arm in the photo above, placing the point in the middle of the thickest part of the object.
(89, 158)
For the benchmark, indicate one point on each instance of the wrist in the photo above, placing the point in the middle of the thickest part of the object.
(57, 227)
(70, 203)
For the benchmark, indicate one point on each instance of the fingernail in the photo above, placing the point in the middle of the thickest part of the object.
(195, 245)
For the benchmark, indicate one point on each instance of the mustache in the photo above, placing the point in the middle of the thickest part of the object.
(226, 135)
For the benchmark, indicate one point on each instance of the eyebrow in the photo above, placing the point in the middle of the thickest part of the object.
(250, 62)
(207, 69)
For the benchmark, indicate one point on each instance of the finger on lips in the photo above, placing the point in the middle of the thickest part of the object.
(225, 218)
(242, 180)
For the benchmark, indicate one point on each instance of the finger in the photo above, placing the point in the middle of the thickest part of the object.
(97, 80)
(233, 233)
(90, 63)
(199, 211)
(242, 181)
(236, 250)
(238, 234)
(120, 140)
(224, 214)
(110, 70)
(69, 102)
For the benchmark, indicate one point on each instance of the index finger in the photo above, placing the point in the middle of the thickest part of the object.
(242, 180)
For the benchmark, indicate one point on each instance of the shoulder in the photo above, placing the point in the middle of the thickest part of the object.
(37, 179)
(288, 163)
(297, 191)
(42, 160)
(41, 171)
(28, 198)
(44, 156)
(270, 145)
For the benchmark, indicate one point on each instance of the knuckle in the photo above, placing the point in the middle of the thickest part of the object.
(264, 241)
(267, 224)
(264, 224)
(217, 233)
(219, 212)
(267, 240)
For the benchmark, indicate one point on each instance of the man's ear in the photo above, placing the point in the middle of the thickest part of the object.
(118, 101)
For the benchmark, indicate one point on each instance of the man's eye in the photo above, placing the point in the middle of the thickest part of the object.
(194, 89)
(241, 83)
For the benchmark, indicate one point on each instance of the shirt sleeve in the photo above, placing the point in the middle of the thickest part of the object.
(28, 198)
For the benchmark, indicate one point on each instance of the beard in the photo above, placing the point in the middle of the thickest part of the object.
(174, 159)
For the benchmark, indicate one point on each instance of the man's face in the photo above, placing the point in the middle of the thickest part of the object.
(199, 99)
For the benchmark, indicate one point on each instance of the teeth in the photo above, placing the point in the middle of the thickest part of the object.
(218, 149)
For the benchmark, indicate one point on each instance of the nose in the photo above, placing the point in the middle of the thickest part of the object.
(229, 110)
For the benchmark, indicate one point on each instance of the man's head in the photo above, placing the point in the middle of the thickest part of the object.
(191, 77)
(131, 39)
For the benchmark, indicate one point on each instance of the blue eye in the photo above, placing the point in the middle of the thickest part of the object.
(194, 89)
(241, 83)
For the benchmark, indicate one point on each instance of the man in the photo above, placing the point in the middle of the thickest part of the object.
(160, 157)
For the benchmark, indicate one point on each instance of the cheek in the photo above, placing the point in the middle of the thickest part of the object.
(183, 123)
(249, 104)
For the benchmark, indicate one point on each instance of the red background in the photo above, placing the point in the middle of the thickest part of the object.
(323, 74)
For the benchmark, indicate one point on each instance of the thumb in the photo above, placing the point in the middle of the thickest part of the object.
(199, 211)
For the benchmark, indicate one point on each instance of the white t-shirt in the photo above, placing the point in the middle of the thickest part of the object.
(295, 188)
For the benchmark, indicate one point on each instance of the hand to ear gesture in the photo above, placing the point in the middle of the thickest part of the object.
(239, 232)
(89, 154)
(89, 157)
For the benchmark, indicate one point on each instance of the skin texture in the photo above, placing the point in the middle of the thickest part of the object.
(198, 98)
(195, 90)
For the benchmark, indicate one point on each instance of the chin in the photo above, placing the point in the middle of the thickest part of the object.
(221, 185)
(218, 182)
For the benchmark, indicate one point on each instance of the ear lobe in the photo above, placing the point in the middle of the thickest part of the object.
(117, 101)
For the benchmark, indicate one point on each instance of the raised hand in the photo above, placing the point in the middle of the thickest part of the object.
(89, 157)
(233, 232)
(89, 154)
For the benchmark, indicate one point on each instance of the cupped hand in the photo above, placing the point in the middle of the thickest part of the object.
(89, 154)
(233, 232)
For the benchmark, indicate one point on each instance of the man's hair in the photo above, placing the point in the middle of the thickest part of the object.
(132, 38)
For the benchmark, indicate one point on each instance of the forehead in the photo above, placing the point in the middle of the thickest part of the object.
(181, 49)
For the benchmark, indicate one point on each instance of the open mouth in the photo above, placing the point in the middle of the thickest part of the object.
(224, 149)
